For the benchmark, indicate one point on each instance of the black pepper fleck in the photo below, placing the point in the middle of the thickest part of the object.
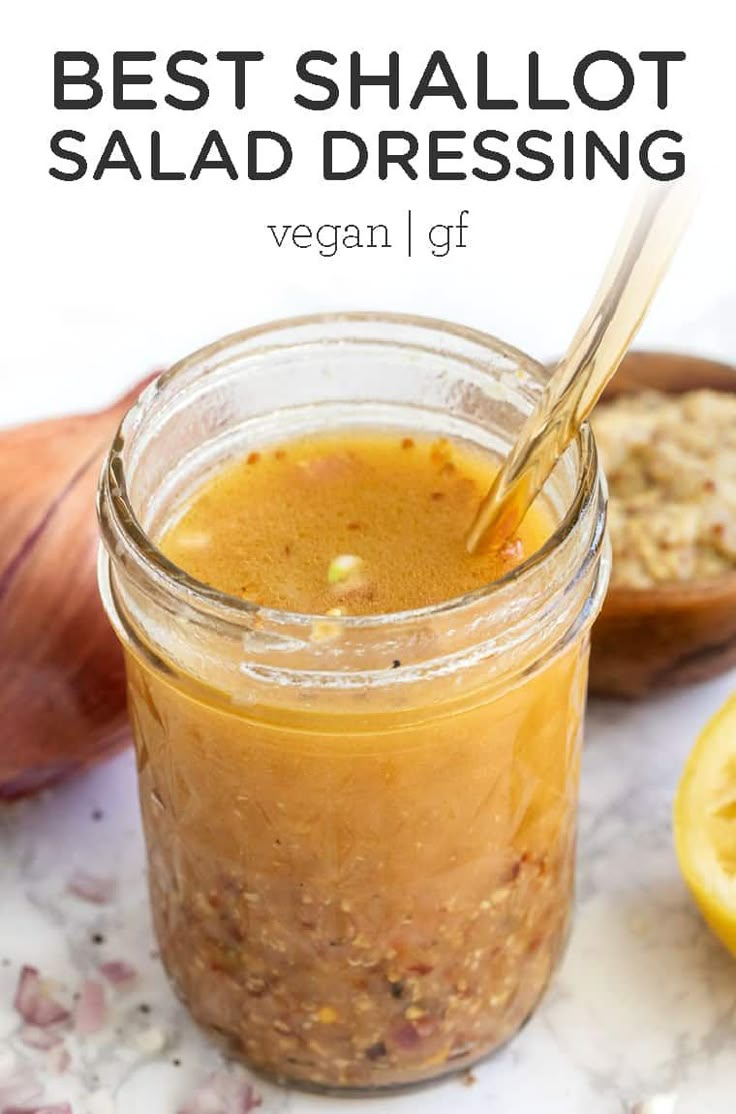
(395, 663)
(397, 989)
(376, 1051)
(98, 938)
(144, 1007)
(98, 814)
(176, 1063)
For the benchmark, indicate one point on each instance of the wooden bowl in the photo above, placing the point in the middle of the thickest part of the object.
(670, 634)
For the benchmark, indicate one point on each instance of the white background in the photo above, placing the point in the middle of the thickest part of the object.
(103, 280)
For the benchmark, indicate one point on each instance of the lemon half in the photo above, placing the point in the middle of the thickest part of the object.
(705, 823)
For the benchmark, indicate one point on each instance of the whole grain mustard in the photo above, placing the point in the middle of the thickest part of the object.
(670, 461)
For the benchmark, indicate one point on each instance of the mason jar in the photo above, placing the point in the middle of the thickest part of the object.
(360, 830)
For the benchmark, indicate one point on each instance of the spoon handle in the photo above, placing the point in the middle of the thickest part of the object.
(652, 231)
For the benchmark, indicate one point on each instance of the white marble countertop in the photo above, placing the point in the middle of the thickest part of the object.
(644, 1004)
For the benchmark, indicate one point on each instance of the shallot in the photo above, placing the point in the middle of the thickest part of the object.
(41, 1039)
(18, 1085)
(61, 673)
(119, 973)
(90, 1012)
(227, 1091)
(35, 1002)
(53, 1108)
(94, 888)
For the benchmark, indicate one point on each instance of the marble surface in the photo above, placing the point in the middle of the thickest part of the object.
(644, 1004)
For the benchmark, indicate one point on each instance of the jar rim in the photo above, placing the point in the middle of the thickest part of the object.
(120, 524)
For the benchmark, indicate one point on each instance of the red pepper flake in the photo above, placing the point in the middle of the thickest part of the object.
(421, 969)
(515, 870)
(354, 526)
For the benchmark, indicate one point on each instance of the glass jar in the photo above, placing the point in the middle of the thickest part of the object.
(360, 830)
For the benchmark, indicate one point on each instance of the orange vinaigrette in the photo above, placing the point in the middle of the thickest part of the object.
(367, 523)
(334, 911)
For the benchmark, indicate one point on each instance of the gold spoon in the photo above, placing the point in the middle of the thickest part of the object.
(652, 231)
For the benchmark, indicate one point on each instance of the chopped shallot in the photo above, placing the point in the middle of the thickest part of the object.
(58, 1059)
(34, 1001)
(119, 973)
(91, 887)
(42, 1039)
(223, 1092)
(90, 1012)
(18, 1084)
(53, 1108)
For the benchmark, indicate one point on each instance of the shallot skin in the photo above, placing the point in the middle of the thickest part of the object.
(62, 686)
